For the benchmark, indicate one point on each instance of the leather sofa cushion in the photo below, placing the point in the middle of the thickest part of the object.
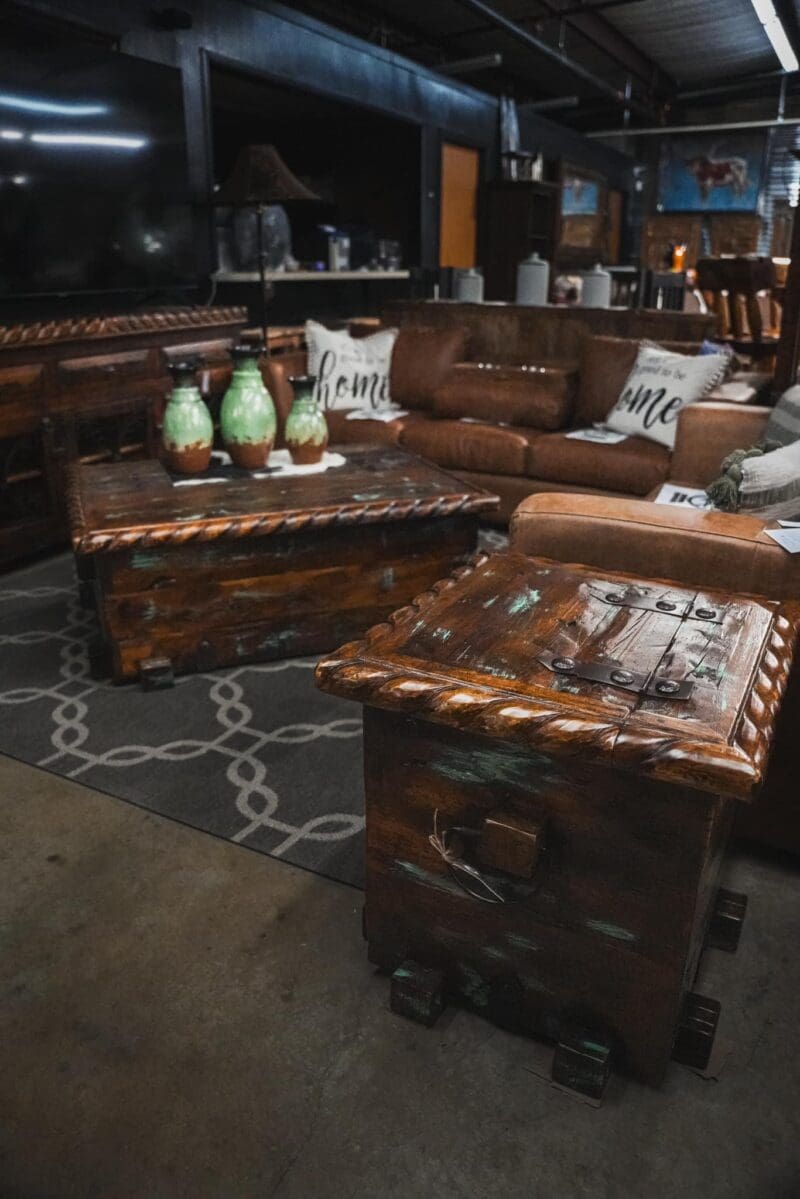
(421, 359)
(467, 446)
(634, 466)
(696, 549)
(606, 363)
(366, 432)
(540, 396)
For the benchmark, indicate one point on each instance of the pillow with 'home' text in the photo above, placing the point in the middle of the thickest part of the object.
(659, 385)
(351, 372)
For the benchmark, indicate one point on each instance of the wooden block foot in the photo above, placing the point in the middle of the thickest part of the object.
(696, 1031)
(156, 674)
(99, 659)
(726, 922)
(582, 1062)
(417, 993)
(86, 593)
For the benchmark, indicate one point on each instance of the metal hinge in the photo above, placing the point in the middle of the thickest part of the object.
(648, 603)
(617, 676)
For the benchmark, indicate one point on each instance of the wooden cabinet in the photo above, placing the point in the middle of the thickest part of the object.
(552, 757)
(519, 218)
(85, 390)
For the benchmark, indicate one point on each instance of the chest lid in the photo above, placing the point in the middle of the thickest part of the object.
(670, 682)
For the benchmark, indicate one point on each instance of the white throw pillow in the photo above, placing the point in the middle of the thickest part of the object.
(660, 384)
(352, 372)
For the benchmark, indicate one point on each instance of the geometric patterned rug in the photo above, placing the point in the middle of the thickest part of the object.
(254, 754)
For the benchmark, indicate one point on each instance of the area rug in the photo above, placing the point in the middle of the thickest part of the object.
(254, 754)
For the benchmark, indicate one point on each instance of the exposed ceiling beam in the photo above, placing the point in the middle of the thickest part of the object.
(581, 9)
(616, 45)
(544, 49)
(463, 66)
(553, 103)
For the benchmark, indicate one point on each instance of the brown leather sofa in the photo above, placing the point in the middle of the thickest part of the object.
(504, 426)
(696, 549)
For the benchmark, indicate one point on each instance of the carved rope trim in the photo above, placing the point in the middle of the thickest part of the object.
(116, 326)
(736, 770)
(270, 523)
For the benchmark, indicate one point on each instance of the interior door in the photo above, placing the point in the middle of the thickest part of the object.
(458, 227)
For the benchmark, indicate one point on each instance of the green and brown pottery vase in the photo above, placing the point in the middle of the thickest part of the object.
(247, 416)
(306, 427)
(187, 431)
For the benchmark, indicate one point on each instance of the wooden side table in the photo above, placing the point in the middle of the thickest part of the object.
(552, 760)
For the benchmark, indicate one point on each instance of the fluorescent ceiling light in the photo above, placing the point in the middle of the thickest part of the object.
(11, 135)
(765, 11)
(89, 139)
(28, 104)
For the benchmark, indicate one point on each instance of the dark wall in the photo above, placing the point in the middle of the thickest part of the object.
(291, 49)
(365, 165)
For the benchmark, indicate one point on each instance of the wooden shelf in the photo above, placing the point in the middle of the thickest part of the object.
(310, 276)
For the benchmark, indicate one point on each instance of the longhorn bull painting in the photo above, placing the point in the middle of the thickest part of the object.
(704, 174)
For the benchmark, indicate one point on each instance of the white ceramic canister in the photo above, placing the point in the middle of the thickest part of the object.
(596, 291)
(469, 285)
(533, 280)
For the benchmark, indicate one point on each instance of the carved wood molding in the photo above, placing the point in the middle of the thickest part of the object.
(83, 328)
(547, 726)
(87, 541)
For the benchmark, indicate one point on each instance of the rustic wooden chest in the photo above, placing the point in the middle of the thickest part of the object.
(552, 756)
(249, 569)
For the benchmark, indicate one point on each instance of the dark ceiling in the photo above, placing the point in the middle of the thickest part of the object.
(597, 52)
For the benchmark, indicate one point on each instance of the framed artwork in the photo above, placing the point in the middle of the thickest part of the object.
(580, 194)
(711, 172)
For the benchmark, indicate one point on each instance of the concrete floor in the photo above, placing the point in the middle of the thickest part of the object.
(182, 1017)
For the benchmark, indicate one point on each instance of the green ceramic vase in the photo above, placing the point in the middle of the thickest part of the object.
(306, 427)
(187, 431)
(247, 416)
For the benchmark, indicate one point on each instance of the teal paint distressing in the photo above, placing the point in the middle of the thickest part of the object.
(611, 930)
(526, 601)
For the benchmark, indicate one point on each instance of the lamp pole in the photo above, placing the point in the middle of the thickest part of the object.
(262, 275)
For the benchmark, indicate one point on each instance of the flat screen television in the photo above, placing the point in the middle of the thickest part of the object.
(93, 169)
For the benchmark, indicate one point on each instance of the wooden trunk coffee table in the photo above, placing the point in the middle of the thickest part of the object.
(552, 759)
(190, 578)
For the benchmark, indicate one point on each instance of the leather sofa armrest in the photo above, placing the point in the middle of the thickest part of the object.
(696, 549)
(707, 433)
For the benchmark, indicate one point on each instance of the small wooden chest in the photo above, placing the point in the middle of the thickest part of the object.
(552, 756)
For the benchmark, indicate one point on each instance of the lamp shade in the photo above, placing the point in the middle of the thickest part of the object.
(260, 176)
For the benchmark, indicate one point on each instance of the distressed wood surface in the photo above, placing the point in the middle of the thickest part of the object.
(547, 848)
(607, 930)
(135, 504)
(85, 328)
(467, 654)
(276, 582)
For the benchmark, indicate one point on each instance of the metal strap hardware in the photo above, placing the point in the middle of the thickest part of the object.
(628, 680)
(648, 603)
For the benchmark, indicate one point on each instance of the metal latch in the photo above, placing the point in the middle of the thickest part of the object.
(617, 676)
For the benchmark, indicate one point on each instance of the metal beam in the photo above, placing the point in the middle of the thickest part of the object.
(707, 127)
(463, 66)
(616, 45)
(581, 10)
(548, 105)
(550, 52)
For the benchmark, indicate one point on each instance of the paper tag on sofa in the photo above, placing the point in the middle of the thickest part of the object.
(599, 435)
(684, 497)
(788, 539)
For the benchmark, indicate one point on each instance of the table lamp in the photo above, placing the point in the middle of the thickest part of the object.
(259, 178)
